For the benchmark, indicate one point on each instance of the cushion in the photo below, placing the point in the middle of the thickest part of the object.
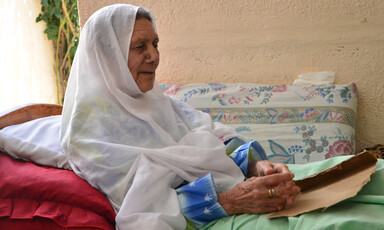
(294, 124)
(36, 140)
(50, 198)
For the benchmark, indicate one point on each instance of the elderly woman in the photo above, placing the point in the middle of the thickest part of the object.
(137, 146)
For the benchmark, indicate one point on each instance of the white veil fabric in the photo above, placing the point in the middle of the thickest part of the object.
(135, 147)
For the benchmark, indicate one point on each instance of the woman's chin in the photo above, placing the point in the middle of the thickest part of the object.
(146, 88)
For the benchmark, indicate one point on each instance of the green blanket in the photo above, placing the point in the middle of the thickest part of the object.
(364, 211)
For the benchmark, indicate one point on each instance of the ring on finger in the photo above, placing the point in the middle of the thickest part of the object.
(271, 192)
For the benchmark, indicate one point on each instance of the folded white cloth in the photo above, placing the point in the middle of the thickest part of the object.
(315, 78)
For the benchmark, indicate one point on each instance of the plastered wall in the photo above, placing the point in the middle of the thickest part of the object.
(271, 42)
(27, 57)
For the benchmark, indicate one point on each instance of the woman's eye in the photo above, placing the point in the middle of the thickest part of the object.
(139, 47)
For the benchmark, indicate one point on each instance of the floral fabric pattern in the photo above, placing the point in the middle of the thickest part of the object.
(311, 146)
(340, 148)
(294, 124)
(282, 115)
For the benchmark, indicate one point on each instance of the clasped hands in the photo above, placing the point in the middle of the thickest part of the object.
(270, 188)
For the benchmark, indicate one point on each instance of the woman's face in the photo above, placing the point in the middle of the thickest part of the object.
(143, 56)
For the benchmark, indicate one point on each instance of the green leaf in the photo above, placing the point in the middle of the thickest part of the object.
(59, 15)
(53, 27)
(51, 10)
(44, 2)
(58, 4)
(50, 36)
(38, 19)
(73, 51)
(45, 19)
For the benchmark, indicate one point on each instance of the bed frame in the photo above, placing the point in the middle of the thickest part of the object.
(26, 113)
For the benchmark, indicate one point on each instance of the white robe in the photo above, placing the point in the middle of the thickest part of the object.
(135, 147)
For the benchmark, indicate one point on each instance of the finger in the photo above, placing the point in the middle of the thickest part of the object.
(294, 190)
(267, 210)
(281, 168)
(265, 168)
(275, 179)
(279, 203)
(292, 185)
(269, 169)
(281, 191)
(289, 184)
(274, 201)
(290, 200)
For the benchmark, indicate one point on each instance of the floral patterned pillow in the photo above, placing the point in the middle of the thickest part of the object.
(294, 124)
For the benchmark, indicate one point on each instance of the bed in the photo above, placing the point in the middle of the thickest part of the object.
(35, 197)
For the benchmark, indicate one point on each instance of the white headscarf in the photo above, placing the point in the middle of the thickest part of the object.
(135, 147)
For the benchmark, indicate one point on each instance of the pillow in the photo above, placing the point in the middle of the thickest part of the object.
(36, 196)
(36, 140)
(294, 124)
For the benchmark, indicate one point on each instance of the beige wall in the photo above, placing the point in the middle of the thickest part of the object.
(26, 63)
(271, 42)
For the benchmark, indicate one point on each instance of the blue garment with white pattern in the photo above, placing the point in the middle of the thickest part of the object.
(198, 199)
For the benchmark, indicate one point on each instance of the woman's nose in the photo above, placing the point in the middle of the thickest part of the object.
(152, 55)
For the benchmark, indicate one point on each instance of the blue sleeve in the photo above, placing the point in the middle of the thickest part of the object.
(240, 152)
(198, 199)
(240, 157)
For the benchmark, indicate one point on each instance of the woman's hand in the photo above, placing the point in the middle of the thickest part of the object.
(252, 195)
(264, 168)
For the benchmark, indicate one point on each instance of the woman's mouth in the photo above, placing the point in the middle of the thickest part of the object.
(147, 72)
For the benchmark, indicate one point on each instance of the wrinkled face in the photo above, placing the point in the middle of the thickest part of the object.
(143, 56)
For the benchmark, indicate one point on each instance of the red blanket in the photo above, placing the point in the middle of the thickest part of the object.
(39, 197)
